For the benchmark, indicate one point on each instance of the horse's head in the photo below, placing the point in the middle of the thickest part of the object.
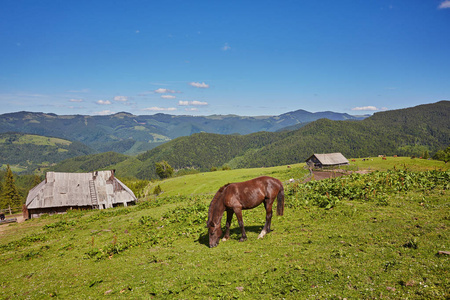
(215, 232)
(216, 209)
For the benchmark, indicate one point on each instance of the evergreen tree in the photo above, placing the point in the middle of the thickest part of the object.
(36, 180)
(10, 194)
(157, 190)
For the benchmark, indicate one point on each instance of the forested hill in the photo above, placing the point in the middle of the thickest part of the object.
(27, 152)
(130, 134)
(409, 131)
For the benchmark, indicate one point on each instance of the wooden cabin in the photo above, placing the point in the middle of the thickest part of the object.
(326, 160)
(60, 192)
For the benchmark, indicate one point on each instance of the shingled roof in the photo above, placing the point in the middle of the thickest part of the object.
(62, 191)
(328, 159)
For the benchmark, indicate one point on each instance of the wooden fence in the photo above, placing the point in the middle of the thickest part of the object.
(11, 210)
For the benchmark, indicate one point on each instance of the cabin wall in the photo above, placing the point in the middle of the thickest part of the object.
(37, 212)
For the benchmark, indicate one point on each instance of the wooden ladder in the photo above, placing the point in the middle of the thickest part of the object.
(93, 191)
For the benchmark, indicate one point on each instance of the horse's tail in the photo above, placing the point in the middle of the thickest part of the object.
(280, 202)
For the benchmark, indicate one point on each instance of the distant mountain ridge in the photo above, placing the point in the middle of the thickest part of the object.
(131, 134)
(406, 132)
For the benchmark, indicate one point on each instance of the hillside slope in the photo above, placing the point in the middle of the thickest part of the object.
(381, 238)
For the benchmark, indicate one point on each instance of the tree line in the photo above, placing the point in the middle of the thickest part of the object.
(14, 188)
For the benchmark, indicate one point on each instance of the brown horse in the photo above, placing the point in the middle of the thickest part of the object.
(234, 197)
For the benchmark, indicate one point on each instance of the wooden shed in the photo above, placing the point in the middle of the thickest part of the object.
(60, 192)
(326, 160)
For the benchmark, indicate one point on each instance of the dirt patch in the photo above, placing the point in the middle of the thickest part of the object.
(3, 227)
(320, 175)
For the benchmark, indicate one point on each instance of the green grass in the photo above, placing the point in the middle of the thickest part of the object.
(38, 140)
(14, 168)
(210, 182)
(400, 163)
(357, 249)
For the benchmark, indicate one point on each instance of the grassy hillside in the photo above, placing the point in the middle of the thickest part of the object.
(208, 183)
(379, 238)
(27, 152)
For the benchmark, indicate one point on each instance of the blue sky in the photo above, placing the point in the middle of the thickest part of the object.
(222, 57)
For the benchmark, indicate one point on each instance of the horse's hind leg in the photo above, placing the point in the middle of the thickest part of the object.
(238, 213)
(266, 228)
(228, 224)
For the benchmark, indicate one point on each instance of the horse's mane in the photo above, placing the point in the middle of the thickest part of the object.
(219, 192)
(222, 188)
(216, 198)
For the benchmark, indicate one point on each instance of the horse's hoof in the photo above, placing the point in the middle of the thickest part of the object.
(224, 239)
(242, 239)
(262, 234)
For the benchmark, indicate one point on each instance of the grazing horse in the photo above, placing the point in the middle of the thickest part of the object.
(234, 197)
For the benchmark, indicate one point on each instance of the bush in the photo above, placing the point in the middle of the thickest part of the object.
(157, 190)
(163, 169)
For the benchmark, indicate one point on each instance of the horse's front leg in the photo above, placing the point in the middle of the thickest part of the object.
(228, 224)
(266, 228)
(238, 213)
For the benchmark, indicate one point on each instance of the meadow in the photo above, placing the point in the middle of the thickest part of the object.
(377, 235)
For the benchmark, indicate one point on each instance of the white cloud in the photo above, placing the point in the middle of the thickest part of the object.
(195, 103)
(164, 91)
(168, 96)
(198, 103)
(199, 85)
(104, 113)
(191, 109)
(103, 102)
(159, 109)
(226, 47)
(76, 100)
(369, 108)
(444, 4)
(121, 98)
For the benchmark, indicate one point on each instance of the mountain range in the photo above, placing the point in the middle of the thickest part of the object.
(131, 134)
(407, 132)
(414, 131)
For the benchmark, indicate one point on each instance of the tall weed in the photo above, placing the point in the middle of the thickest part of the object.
(375, 187)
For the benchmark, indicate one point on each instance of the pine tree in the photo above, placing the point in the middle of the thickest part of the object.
(36, 180)
(10, 195)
